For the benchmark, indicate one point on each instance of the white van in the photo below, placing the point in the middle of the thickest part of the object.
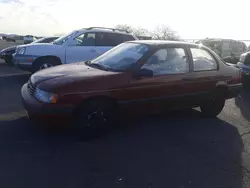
(229, 50)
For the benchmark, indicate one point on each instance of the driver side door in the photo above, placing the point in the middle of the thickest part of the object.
(165, 86)
(83, 48)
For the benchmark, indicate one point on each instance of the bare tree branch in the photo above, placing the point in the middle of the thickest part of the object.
(162, 32)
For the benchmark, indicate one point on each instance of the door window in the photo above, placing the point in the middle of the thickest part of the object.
(203, 60)
(111, 39)
(86, 39)
(168, 61)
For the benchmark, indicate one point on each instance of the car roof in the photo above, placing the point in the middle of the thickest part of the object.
(217, 40)
(164, 42)
(105, 30)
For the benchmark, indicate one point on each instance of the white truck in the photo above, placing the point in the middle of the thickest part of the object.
(79, 45)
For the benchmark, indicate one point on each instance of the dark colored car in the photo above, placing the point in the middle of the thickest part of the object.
(9, 39)
(137, 76)
(244, 65)
(7, 53)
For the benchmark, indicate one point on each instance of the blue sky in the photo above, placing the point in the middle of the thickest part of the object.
(191, 18)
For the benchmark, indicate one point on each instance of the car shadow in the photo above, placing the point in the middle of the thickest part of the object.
(178, 149)
(10, 88)
(243, 103)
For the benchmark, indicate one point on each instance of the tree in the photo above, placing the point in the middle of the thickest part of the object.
(136, 31)
(161, 32)
(164, 32)
(124, 27)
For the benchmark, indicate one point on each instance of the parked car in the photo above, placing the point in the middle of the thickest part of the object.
(7, 53)
(229, 50)
(28, 39)
(80, 45)
(244, 65)
(10, 39)
(45, 40)
(143, 76)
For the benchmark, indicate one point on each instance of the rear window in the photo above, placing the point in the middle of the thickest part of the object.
(112, 39)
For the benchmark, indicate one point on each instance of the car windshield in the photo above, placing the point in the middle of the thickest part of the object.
(64, 38)
(122, 57)
(39, 40)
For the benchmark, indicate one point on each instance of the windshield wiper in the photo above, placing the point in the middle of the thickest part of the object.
(98, 66)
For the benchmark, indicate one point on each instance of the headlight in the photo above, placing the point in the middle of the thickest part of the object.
(21, 51)
(46, 97)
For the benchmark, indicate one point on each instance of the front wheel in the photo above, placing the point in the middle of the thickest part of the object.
(44, 63)
(93, 118)
(213, 106)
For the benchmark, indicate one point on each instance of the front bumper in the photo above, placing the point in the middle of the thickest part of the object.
(24, 61)
(234, 90)
(42, 111)
(2, 55)
(6, 56)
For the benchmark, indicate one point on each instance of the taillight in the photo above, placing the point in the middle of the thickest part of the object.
(240, 77)
(236, 79)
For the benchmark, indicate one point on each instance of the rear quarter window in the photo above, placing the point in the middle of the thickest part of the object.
(110, 39)
(127, 38)
(203, 60)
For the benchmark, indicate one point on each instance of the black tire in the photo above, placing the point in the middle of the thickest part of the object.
(213, 105)
(42, 61)
(93, 118)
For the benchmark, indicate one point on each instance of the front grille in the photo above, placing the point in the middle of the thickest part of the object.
(31, 88)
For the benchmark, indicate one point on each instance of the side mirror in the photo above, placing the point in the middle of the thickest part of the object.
(144, 73)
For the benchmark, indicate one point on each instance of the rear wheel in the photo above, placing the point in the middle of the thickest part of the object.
(93, 118)
(213, 106)
(44, 63)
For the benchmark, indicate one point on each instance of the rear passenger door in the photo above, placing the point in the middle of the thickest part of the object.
(205, 74)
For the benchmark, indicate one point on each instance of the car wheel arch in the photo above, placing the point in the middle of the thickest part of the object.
(107, 99)
(57, 59)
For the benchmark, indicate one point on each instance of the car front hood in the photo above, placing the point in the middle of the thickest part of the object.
(35, 44)
(51, 78)
(6, 50)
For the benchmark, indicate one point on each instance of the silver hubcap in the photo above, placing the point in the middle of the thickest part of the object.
(45, 66)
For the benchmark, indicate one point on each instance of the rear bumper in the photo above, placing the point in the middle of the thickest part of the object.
(234, 90)
(42, 111)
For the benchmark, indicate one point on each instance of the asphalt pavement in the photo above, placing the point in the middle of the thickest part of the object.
(176, 150)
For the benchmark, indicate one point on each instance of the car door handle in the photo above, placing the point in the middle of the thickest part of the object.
(92, 50)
